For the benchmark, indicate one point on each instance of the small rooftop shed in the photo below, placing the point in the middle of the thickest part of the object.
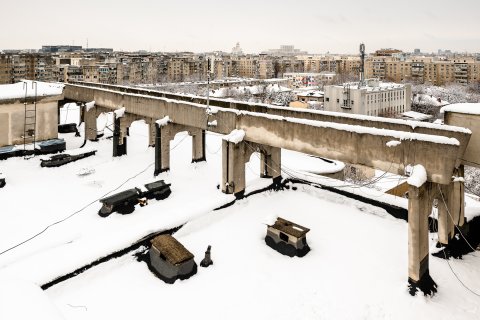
(288, 238)
(170, 260)
(17, 106)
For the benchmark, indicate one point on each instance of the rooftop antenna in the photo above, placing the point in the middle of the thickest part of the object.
(362, 65)
(87, 43)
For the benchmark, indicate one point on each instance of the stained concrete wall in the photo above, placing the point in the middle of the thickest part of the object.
(471, 156)
(357, 148)
(12, 120)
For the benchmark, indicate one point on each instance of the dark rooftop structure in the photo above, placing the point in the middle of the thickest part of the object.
(288, 238)
(170, 260)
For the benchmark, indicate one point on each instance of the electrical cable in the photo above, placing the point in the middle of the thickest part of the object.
(289, 173)
(453, 221)
(85, 207)
(456, 276)
(74, 213)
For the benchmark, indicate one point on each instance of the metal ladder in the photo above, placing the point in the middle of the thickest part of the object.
(30, 121)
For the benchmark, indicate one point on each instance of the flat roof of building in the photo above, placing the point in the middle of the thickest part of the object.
(372, 85)
(26, 88)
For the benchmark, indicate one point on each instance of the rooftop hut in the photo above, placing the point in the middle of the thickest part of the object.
(288, 238)
(170, 260)
(32, 103)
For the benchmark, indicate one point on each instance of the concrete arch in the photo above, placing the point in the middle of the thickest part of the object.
(166, 133)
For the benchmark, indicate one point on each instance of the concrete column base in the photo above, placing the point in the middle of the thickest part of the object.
(419, 208)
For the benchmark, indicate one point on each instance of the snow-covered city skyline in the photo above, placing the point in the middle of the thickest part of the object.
(313, 26)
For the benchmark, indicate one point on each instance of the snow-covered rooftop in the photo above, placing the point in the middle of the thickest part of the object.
(372, 85)
(354, 286)
(311, 93)
(17, 90)
(466, 108)
(416, 115)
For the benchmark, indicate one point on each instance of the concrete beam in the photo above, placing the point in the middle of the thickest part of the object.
(355, 145)
(321, 139)
(450, 130)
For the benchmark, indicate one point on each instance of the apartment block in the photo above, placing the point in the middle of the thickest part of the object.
(374, 98)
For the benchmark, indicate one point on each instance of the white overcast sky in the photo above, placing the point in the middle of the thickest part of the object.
(317, 26)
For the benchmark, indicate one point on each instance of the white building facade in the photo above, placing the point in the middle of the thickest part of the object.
(374, 98)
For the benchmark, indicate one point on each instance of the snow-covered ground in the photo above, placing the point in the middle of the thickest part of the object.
(357, 267)
(355, 270)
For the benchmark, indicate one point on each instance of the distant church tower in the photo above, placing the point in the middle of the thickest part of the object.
(237, 50)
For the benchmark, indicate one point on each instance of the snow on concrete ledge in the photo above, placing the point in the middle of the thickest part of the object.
(235, 136)
(393, 143)
(164, 121)
(90, 105)
(212, 110)
(119, 112)
(467, 108)
(212, 123)
(418, 176)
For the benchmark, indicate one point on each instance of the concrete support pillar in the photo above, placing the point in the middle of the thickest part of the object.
(161, 164)
(234, 157)
(198, 145)
(233, 168)
(152, 133)
(445, 208)
(119, 138)
(90, 118)
(459, 198)
(419, 208)
(270, 163)
(451, 207)
(166, 133)
(81, 114)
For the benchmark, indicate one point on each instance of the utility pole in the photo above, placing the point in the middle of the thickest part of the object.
(210, 68)
(362, 65)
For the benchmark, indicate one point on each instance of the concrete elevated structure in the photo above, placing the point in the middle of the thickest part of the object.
(353, 139)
